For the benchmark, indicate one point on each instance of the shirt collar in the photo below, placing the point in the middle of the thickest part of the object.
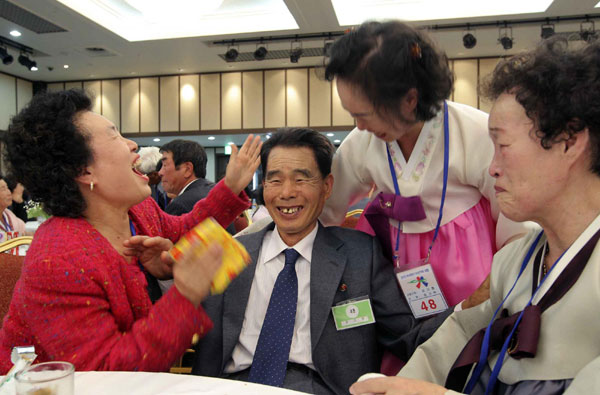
(275, 245)
(187, 185)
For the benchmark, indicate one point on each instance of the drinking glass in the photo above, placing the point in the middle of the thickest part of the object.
(48, 378)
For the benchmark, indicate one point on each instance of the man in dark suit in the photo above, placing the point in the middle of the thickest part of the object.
(274, 324)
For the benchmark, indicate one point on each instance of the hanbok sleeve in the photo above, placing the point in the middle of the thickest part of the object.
(351, 182)
(587, 381)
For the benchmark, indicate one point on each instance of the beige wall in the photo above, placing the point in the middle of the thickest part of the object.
(234, 101)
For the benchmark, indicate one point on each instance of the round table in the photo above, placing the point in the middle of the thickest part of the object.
(144, 383)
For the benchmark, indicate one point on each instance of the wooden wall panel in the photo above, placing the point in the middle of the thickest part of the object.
(210, 100)
(486, 67)
(73, 85)
(24, 93)
(231, 100)
(319, 100)
(252, 99)
(8, 99)
(93, 88)
(111, 101)
(465, 83)
(297, 97)
(169, 104)
(189, 99)
(149, 105)
(274, 98)
(339, 116)
(55, 87)
(130, 105)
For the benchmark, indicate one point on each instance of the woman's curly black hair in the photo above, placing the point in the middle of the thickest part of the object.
(46, 150)
(558, 87)
(386, 60)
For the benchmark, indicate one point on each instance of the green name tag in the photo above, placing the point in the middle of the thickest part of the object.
(353, 313)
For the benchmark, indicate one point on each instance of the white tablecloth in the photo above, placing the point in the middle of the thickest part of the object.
(102, 383)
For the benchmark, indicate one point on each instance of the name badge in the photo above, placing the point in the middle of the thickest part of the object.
(353, 313)
(421, 291)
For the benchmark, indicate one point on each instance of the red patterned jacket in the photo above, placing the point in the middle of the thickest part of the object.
(78, 300)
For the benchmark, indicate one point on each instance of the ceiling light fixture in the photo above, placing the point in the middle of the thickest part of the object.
(469, 40)
(211, 138)
(587, 31)
(5, 56)
(260, 53)
(506, 38)
(295, 52)
(15, 33)
(231, 54)
(24, 60)
(547, 30)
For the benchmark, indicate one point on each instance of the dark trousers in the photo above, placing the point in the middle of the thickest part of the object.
(297, 378)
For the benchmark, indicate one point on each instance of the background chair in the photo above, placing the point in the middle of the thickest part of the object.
(10, 269)
(352, 218)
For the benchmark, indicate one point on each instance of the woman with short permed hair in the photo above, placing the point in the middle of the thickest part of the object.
(82, 294)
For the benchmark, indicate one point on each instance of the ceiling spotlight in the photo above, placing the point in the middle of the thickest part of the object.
(25, 61)
(5, 56)
(506, 38)
(547, 31)
(587, 31)
(231, 54)
(469, 40)
(15, 33)
(295, 52)
(260, 53)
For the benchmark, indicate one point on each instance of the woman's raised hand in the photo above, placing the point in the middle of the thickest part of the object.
(242, 164)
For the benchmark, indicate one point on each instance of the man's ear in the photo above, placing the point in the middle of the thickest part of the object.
(188, 169)
(328, 185)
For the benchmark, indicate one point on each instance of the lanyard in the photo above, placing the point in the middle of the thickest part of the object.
(486, 339)
(6, 223)
(397, 189)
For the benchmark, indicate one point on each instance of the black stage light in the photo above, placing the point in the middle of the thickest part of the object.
(587, 31)
(5, 56)
(469, 41)
(506, 42)
(547, 31)
(25, 61)
(260, 53)
(231, 55)
(295, 54)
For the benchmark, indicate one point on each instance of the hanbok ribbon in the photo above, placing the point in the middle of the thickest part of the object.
(390, 205)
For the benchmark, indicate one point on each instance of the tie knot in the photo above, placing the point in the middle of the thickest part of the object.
(291, 256)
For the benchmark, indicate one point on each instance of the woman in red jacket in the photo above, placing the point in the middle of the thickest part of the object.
(82, 294)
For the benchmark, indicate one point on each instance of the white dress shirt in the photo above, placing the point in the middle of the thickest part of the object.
(270, 262)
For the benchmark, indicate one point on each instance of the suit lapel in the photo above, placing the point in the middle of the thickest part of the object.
(235, 298)
(326, 269)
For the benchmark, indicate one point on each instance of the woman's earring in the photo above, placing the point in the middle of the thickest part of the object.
(92, 186)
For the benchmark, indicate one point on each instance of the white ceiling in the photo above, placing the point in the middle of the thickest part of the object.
(194, 55)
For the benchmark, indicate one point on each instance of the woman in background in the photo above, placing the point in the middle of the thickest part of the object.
(11, 226)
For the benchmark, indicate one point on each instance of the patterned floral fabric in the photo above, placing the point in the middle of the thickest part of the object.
(78, 300)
